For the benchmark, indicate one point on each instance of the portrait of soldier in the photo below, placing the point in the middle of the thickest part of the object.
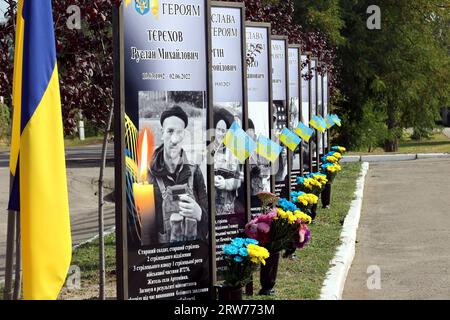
(181, 198)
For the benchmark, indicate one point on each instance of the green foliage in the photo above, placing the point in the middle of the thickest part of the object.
(421, 134)
(91, 129)
(321, 15)
(404, 67)
(5, 123)
(372, 128)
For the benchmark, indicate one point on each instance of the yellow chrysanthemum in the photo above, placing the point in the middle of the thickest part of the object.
(302, 200)
(292, 218)
(321, 179)
(312, 198)
(308, 199)
(337, 155)
(282, 214)
(332, 159)
(257, 253)
(303, 217)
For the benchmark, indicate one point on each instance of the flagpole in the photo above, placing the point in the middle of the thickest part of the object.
(8, 290)
(7, 293)
(18, 269)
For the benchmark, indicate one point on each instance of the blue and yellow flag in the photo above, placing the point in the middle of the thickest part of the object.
(329, 121)
(290, 139)
(318, 124)
(304, 131)
(336, 119)
(268, 149)
(37, 160)
(239, 142)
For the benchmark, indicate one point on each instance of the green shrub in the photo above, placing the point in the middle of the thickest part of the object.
(372, 129)
(5, 123)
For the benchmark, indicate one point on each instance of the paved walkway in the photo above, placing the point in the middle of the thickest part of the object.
(405, 232)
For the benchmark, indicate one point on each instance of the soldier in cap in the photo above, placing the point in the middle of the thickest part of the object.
(181, 198)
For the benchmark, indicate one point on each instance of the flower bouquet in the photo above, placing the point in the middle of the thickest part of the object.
(278, 228)
(339, 149)
(332, 157)
(303, 200)
(242, 258)
(331, 170)
(312, 183)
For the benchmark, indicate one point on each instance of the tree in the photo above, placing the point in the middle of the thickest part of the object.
(402, 69)
(84, 56)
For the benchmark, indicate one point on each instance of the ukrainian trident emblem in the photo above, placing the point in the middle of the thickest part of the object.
(142, 6)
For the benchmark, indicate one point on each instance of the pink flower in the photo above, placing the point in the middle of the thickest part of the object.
(304, 235)
(259, 229)
(266, 218)
(263, 227)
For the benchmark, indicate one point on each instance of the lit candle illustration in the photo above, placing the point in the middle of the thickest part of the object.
(144, 198)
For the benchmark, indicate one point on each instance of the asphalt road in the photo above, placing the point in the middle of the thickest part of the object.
(75, 156)
(402, 249)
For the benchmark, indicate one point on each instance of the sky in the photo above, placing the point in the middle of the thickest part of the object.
(3, 7)
(2, 10)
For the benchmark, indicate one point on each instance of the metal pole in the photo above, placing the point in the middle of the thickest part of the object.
(9, 264)
(18, 269)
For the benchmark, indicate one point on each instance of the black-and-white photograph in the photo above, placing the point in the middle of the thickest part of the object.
(260, 168)
(294, 109)
(228, 171)
(229, 179)
(178, 167)
(280, 121)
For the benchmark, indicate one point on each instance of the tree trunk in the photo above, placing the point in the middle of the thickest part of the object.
(391, 144)
(100, 210)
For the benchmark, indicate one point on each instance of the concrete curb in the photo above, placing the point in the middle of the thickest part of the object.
(333, 286)
(394, 157)
(106, 233)
(432, 155)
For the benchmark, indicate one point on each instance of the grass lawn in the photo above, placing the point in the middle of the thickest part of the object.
(76, 142)
(302, 279)
(439, 143)
(86, 258)
(68, 142)
(3, 146)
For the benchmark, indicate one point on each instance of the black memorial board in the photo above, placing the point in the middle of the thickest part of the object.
(259, 89)
(163, 110)
(230, 105)
(280, 89)
(294, 108)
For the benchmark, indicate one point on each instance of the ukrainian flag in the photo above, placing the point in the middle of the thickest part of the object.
(329, 121)
(304, 131)
(37, 161)
(239, 142)
(336, 119)
(289, 139)
(268, 149)
(318, 124)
